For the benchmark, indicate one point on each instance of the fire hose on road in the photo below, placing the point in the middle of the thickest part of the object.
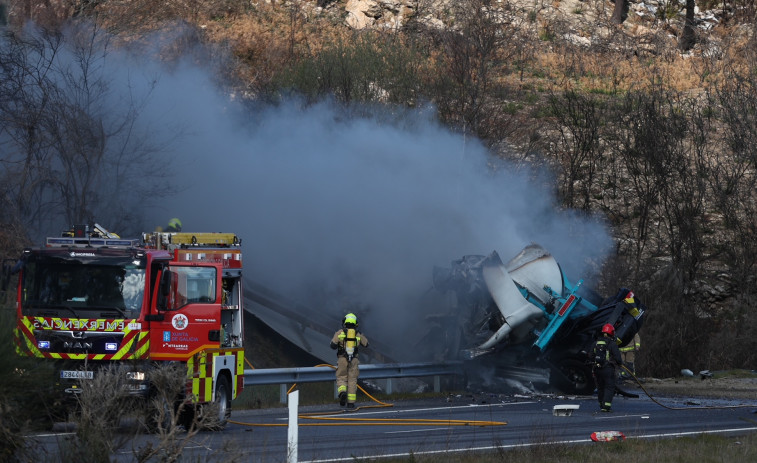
(330, 420)
(698, 407)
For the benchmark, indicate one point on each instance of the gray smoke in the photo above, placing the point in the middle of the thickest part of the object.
(346, 209)
(345, 212)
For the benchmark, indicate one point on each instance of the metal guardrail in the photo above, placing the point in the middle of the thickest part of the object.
(388, 371)
(367, 371)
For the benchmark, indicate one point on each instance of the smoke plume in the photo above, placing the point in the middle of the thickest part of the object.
(347, 210)
(342, 209)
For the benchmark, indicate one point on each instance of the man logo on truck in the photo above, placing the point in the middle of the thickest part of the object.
(179, 321)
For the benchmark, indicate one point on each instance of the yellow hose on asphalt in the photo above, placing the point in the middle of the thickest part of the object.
(357, 421)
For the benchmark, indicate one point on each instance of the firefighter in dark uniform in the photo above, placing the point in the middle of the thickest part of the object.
(606, 357)
(347, 341)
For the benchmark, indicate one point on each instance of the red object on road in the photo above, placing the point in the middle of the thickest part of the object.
(607, 436)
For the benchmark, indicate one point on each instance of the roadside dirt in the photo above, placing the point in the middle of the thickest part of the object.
(722, 388)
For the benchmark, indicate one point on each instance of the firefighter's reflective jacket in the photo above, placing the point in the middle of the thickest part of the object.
(632, 346)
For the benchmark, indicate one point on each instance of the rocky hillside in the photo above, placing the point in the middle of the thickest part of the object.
(583, 15)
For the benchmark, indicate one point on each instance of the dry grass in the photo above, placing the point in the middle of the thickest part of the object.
(700, 449)
(268, 37)
(735, 384)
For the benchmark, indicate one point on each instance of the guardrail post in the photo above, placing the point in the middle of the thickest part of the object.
(388, 385)
(283, 393)
(292, 429)
(437, 384)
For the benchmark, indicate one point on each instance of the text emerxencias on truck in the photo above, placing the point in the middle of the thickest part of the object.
(90, 298)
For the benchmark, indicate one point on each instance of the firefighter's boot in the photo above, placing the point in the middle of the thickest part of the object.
(342, 398)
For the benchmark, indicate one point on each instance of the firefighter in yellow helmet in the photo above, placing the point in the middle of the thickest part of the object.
(347, 341)
(174, 225)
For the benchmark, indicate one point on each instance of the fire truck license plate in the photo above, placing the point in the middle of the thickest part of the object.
(68, 374)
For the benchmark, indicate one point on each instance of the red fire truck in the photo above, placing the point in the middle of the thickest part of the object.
(90, 298)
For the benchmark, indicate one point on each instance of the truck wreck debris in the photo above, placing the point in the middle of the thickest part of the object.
(523, 313)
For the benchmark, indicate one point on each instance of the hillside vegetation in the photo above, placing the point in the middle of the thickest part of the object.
(656, 135)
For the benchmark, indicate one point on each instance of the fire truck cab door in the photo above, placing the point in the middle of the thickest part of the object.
(191, 311)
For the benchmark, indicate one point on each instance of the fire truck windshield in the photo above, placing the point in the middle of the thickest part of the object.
(98, 287)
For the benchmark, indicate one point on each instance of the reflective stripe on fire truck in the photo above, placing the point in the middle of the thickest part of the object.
(138, 345)
(239, 383)
(135, 344)
(202, 368)
(202, 380)
(25, 345)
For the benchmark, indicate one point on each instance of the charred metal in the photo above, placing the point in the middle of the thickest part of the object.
(525, 313)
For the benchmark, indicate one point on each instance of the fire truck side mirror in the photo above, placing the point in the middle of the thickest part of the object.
(166, 281)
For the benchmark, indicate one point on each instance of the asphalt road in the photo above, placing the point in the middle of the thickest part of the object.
(466, 424)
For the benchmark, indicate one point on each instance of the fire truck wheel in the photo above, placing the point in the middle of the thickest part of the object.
(222, 403)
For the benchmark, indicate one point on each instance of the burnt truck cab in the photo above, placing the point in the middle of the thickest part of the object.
(523, 313)
(87, 302)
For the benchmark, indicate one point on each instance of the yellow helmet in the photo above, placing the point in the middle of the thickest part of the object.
(175, 223)
(350, 318)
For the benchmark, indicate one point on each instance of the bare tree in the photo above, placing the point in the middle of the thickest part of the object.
(684, 192)
(688, 36)
(26, 91)
(731, 171)
(108, 416)
(73, 152)
(577, 119)
(101, 404)
(634, 145)
(472, 49)
(619, 12)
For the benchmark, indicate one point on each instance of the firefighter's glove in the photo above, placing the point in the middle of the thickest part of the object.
(334, 345)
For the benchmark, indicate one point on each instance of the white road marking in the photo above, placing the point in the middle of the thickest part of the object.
(415, 430)
(499, 447)
(610, 417)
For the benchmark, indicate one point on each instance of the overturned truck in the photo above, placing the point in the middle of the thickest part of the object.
(524, 314)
